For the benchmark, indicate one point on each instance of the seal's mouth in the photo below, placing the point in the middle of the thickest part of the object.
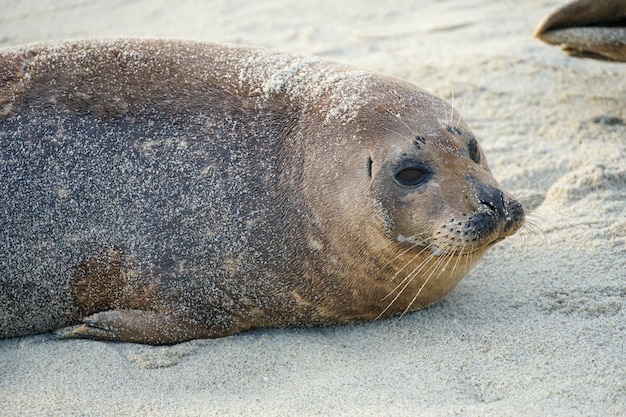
(470, 235)
(433, 249)
(499, 239)
(439, 252)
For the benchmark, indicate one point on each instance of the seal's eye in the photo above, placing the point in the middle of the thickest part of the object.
(474, 153)
(412, 177)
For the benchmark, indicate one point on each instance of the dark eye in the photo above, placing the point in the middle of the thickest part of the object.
(412, 177)
(474, 153)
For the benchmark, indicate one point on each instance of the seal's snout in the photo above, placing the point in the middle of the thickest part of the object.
(504, 212)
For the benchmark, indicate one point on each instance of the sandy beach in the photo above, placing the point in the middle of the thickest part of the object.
(537, 328)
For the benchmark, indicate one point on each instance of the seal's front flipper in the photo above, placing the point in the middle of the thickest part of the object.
(587, 29)
(135, 326)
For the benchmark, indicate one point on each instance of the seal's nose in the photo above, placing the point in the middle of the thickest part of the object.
(515, 216)
(507, 210)
(491, 197)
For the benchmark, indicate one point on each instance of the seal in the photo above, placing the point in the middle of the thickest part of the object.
(587, 29)
(158, 191)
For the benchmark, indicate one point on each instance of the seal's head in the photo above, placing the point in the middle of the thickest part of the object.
(416, 197)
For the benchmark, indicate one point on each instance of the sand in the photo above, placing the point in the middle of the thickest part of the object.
(537, 328)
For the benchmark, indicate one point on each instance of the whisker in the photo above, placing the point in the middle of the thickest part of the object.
(402, 286)
(458, 122)
(528, 182)
(451, 103)
(460, 255)
(411, 276)
(530, 230)
(407, 127)
(405, 265)
(530, 200)
(414, 244)
(397, 133)
(435, 268)
(447, 258)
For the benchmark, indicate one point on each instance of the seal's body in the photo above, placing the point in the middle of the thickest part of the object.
(161, 191)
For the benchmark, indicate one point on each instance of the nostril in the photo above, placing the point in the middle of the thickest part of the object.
(496, 202)
(491, 206)
(491, 197)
